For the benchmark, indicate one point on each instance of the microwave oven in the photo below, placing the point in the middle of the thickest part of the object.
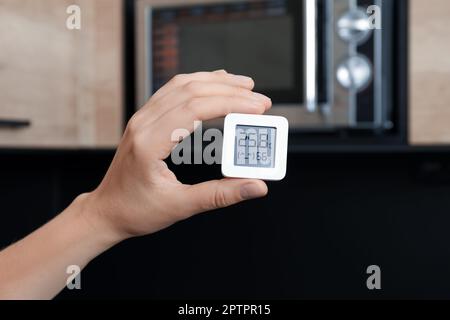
(325, 63)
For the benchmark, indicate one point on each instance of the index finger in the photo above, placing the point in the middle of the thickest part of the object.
(184, 119)
(220, 76)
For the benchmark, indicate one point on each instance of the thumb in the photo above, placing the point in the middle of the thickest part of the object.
(223, 193)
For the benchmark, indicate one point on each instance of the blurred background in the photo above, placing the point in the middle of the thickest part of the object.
(368, 178)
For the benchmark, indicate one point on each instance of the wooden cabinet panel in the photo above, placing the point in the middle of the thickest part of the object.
(429, 72)
(68, 83)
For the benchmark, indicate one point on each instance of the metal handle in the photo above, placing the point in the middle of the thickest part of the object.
(310, 12)
(14, 124)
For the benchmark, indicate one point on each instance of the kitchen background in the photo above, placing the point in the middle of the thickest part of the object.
(342, 207)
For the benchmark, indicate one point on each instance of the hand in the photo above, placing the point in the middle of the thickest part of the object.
(139, 194)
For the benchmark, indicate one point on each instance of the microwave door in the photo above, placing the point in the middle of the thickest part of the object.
(313, 113)
(326, 103)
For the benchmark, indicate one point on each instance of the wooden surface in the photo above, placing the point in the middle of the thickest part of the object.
(67, 83)
(429, 72)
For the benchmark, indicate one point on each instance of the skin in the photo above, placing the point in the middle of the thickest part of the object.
(139, 195)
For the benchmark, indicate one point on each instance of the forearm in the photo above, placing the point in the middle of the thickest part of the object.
(35, 267)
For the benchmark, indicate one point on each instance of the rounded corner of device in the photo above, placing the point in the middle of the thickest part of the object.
(225, 174)
(283, 176)
(280, 177)
(228, 117)
(286, 121)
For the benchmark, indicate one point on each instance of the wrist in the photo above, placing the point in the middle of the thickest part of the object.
(90, 216)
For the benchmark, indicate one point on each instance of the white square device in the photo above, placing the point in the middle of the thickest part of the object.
(255, 147)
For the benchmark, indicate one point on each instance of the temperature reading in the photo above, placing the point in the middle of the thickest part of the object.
(255, 146)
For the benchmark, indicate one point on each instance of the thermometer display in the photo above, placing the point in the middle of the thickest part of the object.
(255, 146)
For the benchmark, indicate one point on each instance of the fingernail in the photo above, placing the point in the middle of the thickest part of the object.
(262, 98)
(243, 79)
(251, 191)
(221, 71)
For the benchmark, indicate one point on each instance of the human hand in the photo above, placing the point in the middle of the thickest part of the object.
(139, 194)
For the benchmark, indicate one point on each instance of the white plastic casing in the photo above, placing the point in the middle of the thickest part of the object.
(230, 170)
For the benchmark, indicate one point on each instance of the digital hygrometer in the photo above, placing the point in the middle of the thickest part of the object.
(255, 147)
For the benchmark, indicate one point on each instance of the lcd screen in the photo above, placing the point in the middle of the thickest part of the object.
(255, 146)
